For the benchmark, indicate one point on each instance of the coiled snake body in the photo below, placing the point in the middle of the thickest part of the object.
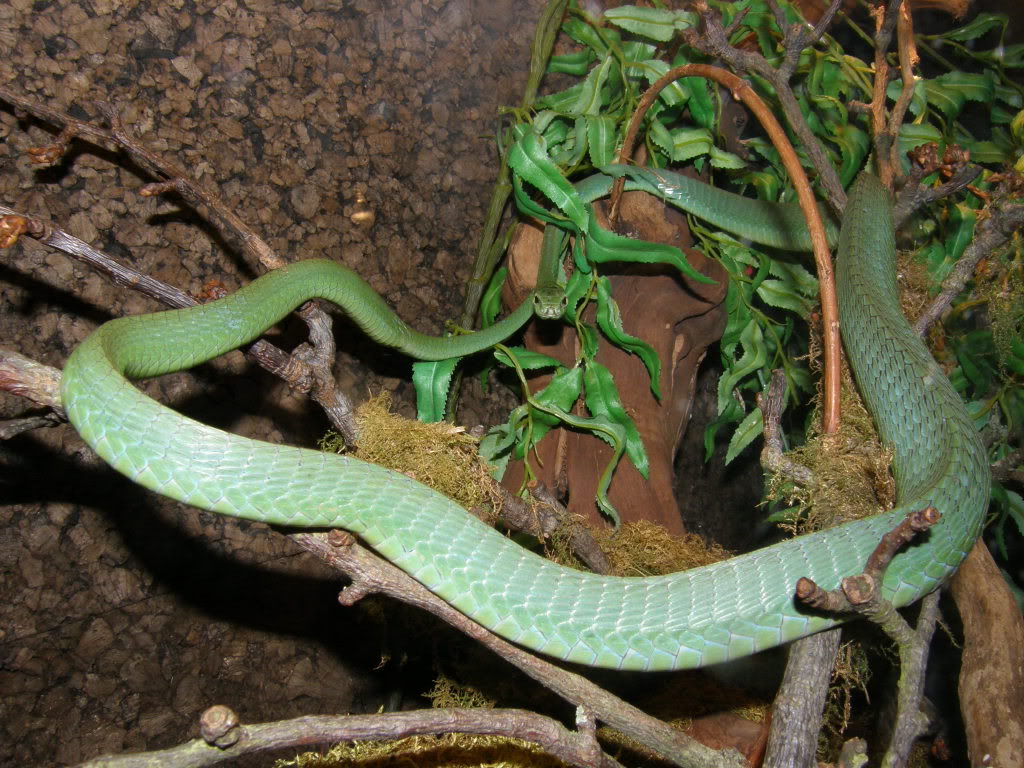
(690, 619)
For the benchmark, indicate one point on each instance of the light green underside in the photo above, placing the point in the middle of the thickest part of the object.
(684, 620)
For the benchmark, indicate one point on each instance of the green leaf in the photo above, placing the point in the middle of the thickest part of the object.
(577, 287)
(543, 411)
(572, 63)
(575, 148)
(653, 23)
(602, 399)
(688, 143)
(589, 343)
(561, 101)
(674, 94)
(526, 204)
(528, 157)
(702, 106)
(854, 145)
(961, 219)
(637, 52)
(777, 293)
(751, 427)
(951, 91)
(609, 318)
(431, 380)
(525, 358)
(604, 246)
(754, 357)
(972, 370)
(601, 139)
(795, 275)
(1015, 509)
(496, 448)
(977, 27)
(589, 101)
(918, 102)
(999, 149)
(727, 160)
(1009, 56)
(555, 131)
(490, 302)
(585, 34)
(732, 413)
(766, 184)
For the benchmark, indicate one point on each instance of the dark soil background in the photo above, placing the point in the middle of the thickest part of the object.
(122, 615)
(356, 130)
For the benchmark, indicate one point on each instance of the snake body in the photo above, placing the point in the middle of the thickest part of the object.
(684, 620)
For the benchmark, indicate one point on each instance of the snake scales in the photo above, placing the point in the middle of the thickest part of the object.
(690, 619)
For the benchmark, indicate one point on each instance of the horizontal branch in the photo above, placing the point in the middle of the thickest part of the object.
(225, 739)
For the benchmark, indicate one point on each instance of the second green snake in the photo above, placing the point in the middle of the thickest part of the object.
(683, 620)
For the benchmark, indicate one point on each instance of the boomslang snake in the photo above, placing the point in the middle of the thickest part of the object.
(689, 619)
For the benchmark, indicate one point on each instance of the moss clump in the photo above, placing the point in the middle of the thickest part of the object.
(449, 751)
(440, 455)
(1005, 296)
(850, 470)
(644, 548)
(447, 694)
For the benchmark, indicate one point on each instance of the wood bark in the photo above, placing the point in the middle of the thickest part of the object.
(992, 672)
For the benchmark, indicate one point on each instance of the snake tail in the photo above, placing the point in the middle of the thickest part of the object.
(683, 620)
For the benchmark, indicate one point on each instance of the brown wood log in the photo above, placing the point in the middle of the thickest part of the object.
(992, 672)
(678, 317)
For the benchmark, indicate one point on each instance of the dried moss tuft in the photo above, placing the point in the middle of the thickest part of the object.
(851, 673)
(447, 693)
(850, 469)
(643, 548)
(440, 455)
(449, 751)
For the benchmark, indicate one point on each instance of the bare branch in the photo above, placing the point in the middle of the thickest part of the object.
(34, 381)
(1003, 220)
(712, 38)
(225, 739)
(861, 595)
(370, 574)
(773, 457)
(798, 706)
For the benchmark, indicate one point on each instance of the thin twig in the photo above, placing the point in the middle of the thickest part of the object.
(885, 23)
(300, 375)
(911, 722)
(32, 380)
(580, 539)
(915, 195)
(860, 593)
(907, 52)
(12, 427)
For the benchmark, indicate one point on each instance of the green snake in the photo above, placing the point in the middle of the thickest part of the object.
(684, 620)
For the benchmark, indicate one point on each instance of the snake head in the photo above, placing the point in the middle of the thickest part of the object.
(550, 303)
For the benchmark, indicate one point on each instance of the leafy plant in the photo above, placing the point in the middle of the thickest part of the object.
(573, 132)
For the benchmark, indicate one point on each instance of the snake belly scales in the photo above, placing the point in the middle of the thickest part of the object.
(683, 620)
